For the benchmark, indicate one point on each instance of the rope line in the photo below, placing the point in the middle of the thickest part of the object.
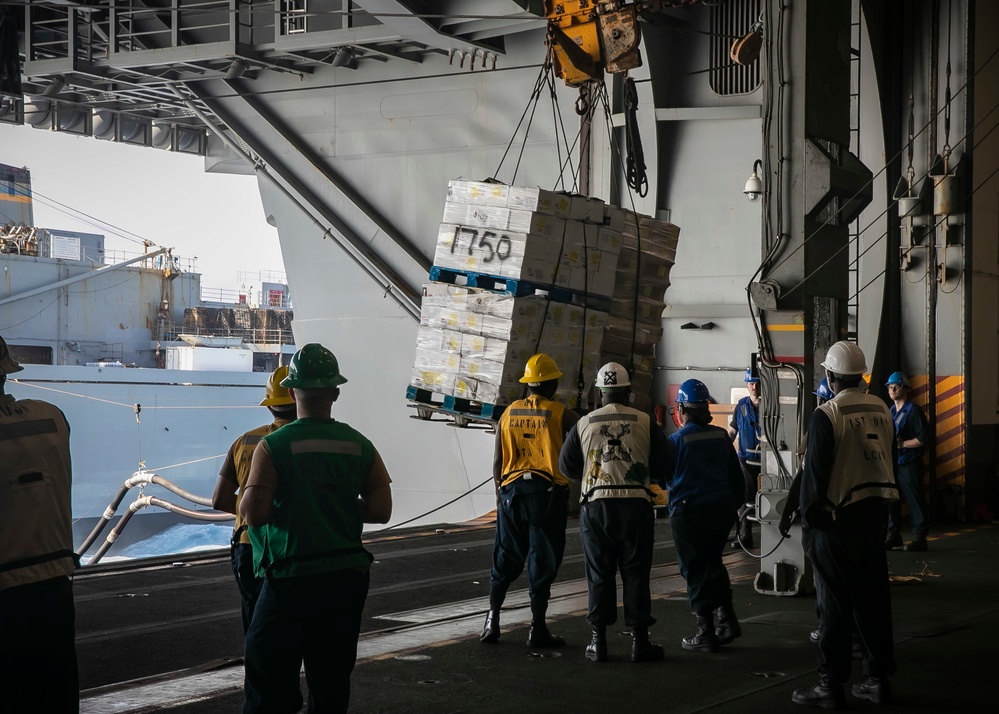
(894, 202)
(892, 159)
(122, 404)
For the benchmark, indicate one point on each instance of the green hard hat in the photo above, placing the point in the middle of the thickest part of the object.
(313, 367)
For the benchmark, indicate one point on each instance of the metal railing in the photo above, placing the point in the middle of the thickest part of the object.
(246, 298)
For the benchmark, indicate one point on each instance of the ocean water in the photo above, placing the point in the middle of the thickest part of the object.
(178, 539)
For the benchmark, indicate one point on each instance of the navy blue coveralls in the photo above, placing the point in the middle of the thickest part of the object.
(746, 421)
(910, 424)
(530, 521)
(617, 534)
(851, 568)
(705, 489)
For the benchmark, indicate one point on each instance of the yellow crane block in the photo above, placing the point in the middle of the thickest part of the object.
(589, 37)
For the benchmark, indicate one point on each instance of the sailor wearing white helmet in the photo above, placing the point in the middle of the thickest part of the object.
(847, 484)
(617, 452)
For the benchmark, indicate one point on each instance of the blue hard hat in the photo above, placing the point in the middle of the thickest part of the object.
(750, 378)
(823, 391)
(693, 391)
(898, 378)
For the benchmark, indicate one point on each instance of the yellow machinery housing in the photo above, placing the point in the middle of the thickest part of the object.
(590, 37)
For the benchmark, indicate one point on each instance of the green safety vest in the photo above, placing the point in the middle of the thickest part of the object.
(316, 521)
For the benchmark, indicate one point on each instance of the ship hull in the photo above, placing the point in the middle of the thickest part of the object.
(181, 429)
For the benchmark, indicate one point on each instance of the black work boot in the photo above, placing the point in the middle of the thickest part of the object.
(893, 540)
(827, 694)
(642, 650)
(873, 689)
(596, 651)
(728, 627)
(540, 637)
(490, 630)
(705, 639)
(916, 545)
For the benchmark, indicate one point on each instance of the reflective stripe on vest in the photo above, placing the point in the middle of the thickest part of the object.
(326, 446)
(531, 435)
(615, 441)
(322, 466)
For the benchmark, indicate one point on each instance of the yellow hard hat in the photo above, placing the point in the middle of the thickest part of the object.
(274, 394)
(540, 368)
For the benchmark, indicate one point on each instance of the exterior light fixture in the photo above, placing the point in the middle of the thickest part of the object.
(57, 84)
(235, 71)
(754, 185)
(344, 57)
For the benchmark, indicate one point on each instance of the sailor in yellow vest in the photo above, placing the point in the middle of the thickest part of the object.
(532, 499)
(313, 484)
(38, 670)
(846, 488)
(232, 479)
(617, 452)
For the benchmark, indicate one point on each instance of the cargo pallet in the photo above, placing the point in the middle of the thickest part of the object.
(460, 411)
(517, 288)
(496, 283)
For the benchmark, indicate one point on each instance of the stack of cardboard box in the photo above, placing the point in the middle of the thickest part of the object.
(634, 325)
(474, 343)
(527, 234)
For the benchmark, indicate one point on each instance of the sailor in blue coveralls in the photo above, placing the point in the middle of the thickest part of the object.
(705, 489)
(745, 427)
(912, 433)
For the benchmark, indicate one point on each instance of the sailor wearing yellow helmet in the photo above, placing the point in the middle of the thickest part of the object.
(232, 479)
(532, 499)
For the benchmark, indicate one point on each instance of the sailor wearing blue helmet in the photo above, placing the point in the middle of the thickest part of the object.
(912, 433)
(705, 489)
(745, 427)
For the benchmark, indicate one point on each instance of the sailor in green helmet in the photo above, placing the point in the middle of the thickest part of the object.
(313, 484)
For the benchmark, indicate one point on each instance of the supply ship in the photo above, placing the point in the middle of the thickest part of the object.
(153, 379)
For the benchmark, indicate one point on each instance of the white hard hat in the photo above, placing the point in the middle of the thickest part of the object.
(845, 358)
(611, 376)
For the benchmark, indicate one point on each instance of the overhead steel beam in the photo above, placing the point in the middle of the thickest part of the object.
(400, 18)
(271, 167)
(331, 39)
